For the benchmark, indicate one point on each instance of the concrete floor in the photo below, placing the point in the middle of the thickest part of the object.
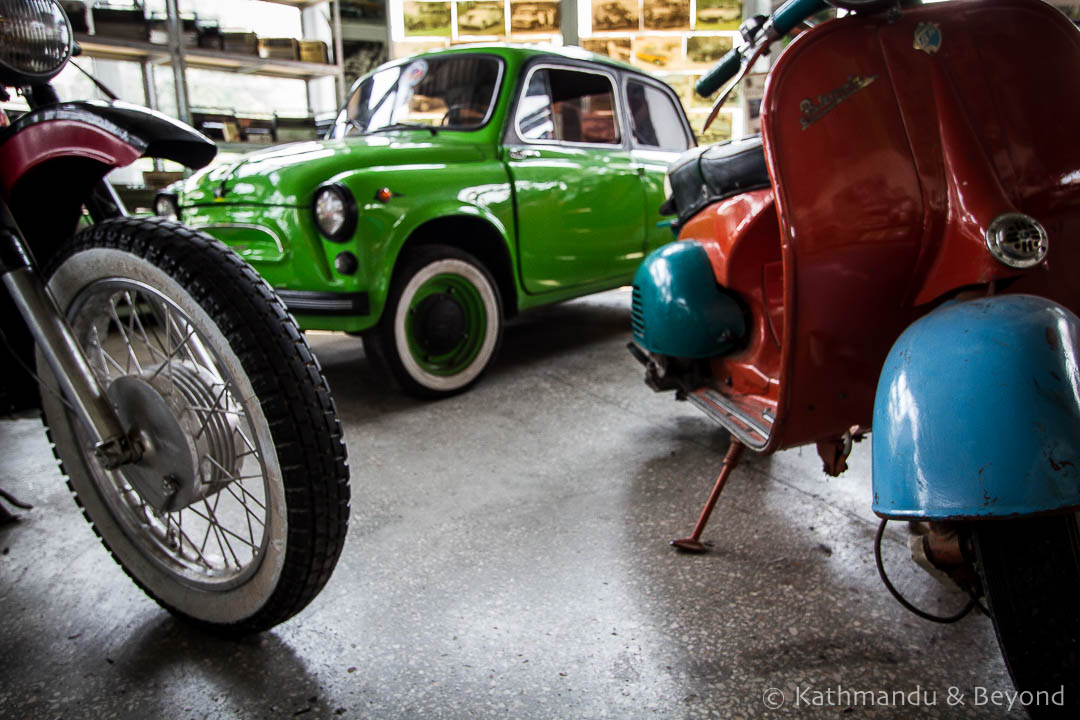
(508, 557)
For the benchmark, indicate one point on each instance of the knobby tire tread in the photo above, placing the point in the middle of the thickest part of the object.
(293, 394)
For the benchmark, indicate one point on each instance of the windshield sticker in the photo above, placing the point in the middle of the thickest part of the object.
(414, 74)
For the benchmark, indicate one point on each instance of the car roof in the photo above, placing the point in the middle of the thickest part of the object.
(522, 51)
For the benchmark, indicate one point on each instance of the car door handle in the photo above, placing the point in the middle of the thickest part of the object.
(522, 153)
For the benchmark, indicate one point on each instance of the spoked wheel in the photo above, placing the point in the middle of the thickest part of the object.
(236, 513)
(1030, 570)
(442, 324)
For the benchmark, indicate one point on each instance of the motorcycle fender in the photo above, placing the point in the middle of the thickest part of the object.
(678, 308)
(977, 413)
(113, 133)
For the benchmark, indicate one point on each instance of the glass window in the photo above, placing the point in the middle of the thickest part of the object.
(655, 122)
(569, 106)
(453, 92)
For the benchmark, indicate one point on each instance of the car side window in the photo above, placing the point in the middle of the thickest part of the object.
(655, 122)
(571, 106)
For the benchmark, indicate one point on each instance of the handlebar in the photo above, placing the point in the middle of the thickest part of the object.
(720, 73)
(786, 18)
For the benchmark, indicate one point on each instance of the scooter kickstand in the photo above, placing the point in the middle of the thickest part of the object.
(693, 543)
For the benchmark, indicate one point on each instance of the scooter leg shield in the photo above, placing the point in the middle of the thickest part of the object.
(977, 413)
(679, 309)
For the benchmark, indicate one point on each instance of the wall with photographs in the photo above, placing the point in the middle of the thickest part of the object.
(675, 40)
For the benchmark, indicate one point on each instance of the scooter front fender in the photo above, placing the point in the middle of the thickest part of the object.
(977, 413)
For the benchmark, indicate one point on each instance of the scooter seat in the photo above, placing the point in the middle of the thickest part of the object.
(704, 175)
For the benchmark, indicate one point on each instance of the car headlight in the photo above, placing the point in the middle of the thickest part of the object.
(335, 212)
(166, 206)
(35, 41)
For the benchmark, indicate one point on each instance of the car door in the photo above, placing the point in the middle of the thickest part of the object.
(578, 195)
(659, 133)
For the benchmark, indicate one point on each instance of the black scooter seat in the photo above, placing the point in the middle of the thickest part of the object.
(703, 175)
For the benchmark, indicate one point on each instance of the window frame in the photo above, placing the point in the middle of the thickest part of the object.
(550, 63)
(669, 92)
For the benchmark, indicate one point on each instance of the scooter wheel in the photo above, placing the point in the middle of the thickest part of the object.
(1030, 570)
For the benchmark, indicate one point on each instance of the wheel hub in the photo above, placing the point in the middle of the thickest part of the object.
(188, 425)
(439, 323)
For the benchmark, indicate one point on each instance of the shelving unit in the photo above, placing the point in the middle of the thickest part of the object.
(181, 57)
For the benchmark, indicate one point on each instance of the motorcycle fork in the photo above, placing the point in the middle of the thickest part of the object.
(54, 337)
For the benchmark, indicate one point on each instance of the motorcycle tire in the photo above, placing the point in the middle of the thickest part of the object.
(1030, 571)
(196, 349)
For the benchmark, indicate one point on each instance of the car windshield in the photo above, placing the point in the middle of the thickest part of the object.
(452, 92)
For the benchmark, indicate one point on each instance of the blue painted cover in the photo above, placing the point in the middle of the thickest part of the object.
(977, 412)
(678, 307)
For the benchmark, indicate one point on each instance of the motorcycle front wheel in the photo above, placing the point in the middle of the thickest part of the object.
(1030, 571)
(235, 417)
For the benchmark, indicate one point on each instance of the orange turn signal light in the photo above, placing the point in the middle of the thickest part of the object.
(383, 195)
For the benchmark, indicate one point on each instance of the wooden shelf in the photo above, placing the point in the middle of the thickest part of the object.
(97, 46)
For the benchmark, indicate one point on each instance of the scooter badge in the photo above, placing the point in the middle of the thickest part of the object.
(928, 38)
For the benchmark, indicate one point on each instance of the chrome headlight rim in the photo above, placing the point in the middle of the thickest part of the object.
(348, 212)
(43, 38)
(1017, 240)
(171, 201)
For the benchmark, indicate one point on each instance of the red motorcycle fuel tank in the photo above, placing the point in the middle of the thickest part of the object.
(892, 143)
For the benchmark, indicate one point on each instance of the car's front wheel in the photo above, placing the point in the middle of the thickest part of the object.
(442, 324)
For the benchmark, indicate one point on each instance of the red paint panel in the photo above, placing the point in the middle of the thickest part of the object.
(60, 138)
(885, 196)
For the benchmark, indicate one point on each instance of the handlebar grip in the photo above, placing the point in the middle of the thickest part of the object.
(723, 71)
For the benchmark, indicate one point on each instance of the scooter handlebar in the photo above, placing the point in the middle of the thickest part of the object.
(723, 71)
(784, 20)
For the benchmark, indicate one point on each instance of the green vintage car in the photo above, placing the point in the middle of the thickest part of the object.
(456, 189)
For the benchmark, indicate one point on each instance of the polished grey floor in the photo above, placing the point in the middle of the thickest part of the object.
(508, 557)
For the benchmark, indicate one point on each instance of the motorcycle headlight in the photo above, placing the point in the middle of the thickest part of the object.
(35, 41)
(335, 212)
(166, 206)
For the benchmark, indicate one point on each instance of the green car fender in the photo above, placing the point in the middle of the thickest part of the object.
(384, 230)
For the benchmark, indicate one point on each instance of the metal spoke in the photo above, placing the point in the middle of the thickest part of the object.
(211, 411)
(247, 515)
(127, 341)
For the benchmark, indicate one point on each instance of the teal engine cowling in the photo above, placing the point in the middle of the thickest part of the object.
(679, 309)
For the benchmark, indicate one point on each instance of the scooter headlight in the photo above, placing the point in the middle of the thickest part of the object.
(35, 41)
(1017, 240)
(335, 212)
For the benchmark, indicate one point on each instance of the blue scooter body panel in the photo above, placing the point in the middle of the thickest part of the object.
(977, 413)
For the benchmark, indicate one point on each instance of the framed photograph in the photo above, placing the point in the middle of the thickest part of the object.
(696, 102)
(617, 48)
(425, 19)
(534, 17)
(480, 18)
(666, 14)
(657, 51)
(706, 50)
(719, 131)
(718, 15)
(614, 15)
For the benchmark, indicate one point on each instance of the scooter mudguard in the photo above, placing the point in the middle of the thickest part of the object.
(977, 413)
(679, 309)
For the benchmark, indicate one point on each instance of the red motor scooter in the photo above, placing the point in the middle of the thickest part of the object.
(898, 250)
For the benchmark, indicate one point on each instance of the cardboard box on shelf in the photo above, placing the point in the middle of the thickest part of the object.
(128, 22)
(314, 51)
(291, 128)
(279, 48)
(241, 42)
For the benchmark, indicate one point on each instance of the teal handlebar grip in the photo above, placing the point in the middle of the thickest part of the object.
(723, 71)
